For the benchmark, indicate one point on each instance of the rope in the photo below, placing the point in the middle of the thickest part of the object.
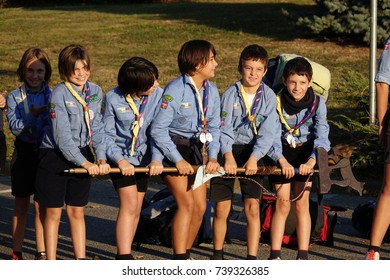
(267, 192)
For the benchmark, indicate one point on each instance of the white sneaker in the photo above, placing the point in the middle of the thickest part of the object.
(372, 255)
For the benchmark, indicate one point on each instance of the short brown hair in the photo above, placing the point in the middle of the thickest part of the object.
(194, 53)
(253, 52)
(300, 66)
(68, 57)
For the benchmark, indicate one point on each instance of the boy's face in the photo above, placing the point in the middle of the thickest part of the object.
(297, 85)
(252, 73)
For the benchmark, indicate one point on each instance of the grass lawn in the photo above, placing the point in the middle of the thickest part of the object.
(113, 33)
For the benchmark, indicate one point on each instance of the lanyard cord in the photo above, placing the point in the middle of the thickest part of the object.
(203, 105)
(250, 112)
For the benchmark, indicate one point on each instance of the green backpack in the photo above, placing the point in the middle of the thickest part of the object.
(321, 75)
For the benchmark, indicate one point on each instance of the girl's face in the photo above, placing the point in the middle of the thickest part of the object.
(80, 74)
(150, 91)
(297, 86)
(207, 71)
(252, 73)
(34, 74)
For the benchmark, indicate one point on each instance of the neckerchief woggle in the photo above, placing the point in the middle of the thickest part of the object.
(204, 136)
(251, 112)
(294, 130)
(137, 124)
(83, 103)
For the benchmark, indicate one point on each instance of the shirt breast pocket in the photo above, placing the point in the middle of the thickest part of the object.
(125, 119)
(186, 111)
(237, 112)
(74, 115)
(72, 110)
(184, 117)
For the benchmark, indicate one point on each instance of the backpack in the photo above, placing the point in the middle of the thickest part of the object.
(321, 75)
(155, 224)
(322, 222)
(362, 217)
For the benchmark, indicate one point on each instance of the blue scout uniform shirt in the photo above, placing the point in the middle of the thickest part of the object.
(26, 127)
(179, 114)
(383, 74)
(69, 131)
(118, 120)
(316, 128)
(237, 129)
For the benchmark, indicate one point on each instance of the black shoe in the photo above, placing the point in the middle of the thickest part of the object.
(216, 257)
(40, 256)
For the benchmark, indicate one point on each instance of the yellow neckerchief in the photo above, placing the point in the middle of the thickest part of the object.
(282, 119)
(200, 103)
(85, 107)
(251, 118)
(136, 125)
(24, 99)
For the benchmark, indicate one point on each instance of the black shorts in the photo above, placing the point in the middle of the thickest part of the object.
(190, 150)
(3, 152)
(120, 181)
(222, 189)
(53, 187)
(296, 157)
(385, 136)
(24, 168)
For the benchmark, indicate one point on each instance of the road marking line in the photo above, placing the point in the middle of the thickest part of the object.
(5, 191)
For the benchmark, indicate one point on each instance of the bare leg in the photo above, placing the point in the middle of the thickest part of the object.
(51, 226)
(382, 212)
(19, 222)
(77, 230)
(222, 210)
(185, 205)
(278, 223)
(39, 220)
(127, 219)
(252, 213)
(302, 211)
(140, 196)
(199, 196)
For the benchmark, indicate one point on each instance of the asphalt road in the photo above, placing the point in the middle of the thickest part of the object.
(101, 212)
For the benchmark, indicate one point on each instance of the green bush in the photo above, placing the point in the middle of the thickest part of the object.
(348, 18)
(353, 129)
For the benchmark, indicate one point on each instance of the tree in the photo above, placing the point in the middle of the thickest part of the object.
(348, 18)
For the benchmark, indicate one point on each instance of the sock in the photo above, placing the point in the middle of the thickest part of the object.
(180, 256)
(250, 257)
(275, 254)
(375, 248)
(188, 254)
(18, 255)
(218, 252)
(124, 257)
(303, 255)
